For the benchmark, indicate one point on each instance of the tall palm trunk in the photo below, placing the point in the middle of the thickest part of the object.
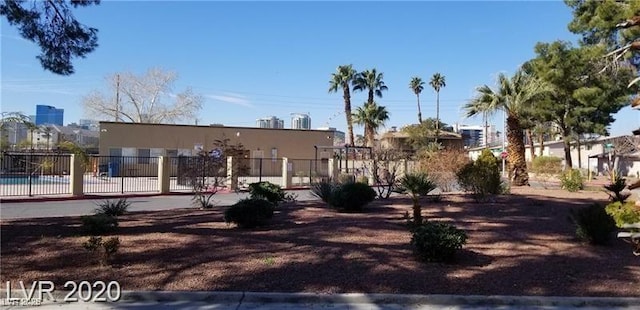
(532, 150)
(419, 111)
(347, 112)
(437, 115)
(515, 153)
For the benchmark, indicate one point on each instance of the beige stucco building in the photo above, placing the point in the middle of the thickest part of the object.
(136, 139)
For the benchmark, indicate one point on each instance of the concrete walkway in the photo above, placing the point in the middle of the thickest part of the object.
(286, 301)
(75, 207)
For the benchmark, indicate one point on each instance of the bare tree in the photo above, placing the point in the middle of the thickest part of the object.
(386, 167)
(144, 98)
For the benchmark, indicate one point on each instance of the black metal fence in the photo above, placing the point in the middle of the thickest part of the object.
(31, 174)
(122, 174)
(44, 174)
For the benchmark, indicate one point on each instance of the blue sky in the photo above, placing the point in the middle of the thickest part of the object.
(256, 59)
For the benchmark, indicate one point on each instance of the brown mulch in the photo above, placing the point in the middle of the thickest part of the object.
(522, 244)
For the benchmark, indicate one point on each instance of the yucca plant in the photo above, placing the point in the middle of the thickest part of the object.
(416, 185)
(113, 207)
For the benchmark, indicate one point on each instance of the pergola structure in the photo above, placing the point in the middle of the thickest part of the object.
(343, 150)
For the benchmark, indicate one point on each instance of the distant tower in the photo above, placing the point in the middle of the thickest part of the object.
(46, 114)
(300, 121)
(269, 122)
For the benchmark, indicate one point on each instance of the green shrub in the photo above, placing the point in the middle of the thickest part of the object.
(572, 180)
(323, 190)
(99, 224)
(481, 177)
(616, 187)
(593, 224)
(249, 212)
(623, 213)
(351, 197)
(92, 244)
(272, 193)
(437, 242)
(546, 165)
(112, 207)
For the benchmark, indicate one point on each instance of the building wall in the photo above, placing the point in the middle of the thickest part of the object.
(296, 144)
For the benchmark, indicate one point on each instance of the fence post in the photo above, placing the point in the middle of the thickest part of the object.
(260, 173)
(163, 174)
(333, 168)
(232, 179)
(368, 167)
(286, 174)
(76, 176)
(121, 174)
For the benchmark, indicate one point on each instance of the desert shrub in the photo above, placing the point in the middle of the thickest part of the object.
(272, 193)
(481, 177)
(572, 180)
(323, 189)
(593, 224)
(98, 224)
(249, 212)
(546, 165)
(437, 241)
(623, 212)
(362, 179)
(351, 197)
(112, 207)
(108, 248)
(616, 187)
(442, 167)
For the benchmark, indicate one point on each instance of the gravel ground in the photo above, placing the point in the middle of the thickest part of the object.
(521, 244)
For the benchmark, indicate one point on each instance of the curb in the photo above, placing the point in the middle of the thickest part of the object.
(235, 297)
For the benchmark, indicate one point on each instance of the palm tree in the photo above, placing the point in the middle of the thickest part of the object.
(416, 185)
(372, 116)
(437, 82)
(513, 95)
(342, 78)
(46, 132)
(372, 81)
(416, 85)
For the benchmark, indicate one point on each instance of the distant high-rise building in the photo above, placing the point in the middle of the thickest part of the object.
(270, 122)
(46, 114)
(89, 124)
(300, 121)
(474, 135)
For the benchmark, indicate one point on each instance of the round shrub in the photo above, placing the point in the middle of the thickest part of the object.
(437, 241)
(572, 180)
(249, 213)
(351, 197)
(623, 213)
(99, 224)
(273, 193)
(593, 224)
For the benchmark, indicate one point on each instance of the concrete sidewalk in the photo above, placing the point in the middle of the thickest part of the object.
(254, 300)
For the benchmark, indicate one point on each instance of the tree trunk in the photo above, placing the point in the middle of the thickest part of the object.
(437, 115)
(347, 112)
(541, 140)
(532, 150)
(515, 152)
(579, 154)
(417, 212)
(567, 149)
(419, 111)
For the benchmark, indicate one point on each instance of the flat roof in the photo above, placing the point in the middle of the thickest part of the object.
(213, 126)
